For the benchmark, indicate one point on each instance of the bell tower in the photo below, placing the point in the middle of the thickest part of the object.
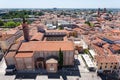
(104, 10)
(25, 30)
(98, 12)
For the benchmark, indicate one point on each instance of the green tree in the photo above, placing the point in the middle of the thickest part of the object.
(60, 58)
(1, 23)
(60, 27)
(10, 24)
(89, 24)
(40, 13)
(18, 23)
(20, 14)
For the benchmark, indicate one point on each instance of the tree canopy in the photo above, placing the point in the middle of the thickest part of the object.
(89, 24)
(1, 23)
(20, 14)
(11, 24)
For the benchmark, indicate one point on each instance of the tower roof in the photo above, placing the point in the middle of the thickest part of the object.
(24, 21)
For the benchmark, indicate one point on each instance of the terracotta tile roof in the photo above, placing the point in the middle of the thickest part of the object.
(15, 46)
(77, 29)
(5, 37)
(10, 54)
(109, 51)
(115, 47)
(37, 36)
(99, 50)
(20, 39)
(32, 31)
(113, 38)
(46, 46)
(24, 55)
(106, 45)
(115, 31)
(96, 40)
(11, 31)
(42, 26)
(118, 44)
(107, 59)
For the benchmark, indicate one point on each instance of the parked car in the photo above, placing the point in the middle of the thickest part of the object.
(92, 69)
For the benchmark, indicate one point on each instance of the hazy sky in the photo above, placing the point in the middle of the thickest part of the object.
(60, 3)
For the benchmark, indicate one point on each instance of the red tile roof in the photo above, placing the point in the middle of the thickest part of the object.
(46, 46)
(115, 47)
(107, 59)
(37, 36)
(10, 54)
(5, 37)
(11, 31)
(115, 31)
(113, 38)
(99, 50)
(24, 55)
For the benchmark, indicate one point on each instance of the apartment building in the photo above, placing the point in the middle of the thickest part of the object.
(107, 63)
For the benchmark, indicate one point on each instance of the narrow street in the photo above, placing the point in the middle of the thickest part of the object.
(85, 73)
